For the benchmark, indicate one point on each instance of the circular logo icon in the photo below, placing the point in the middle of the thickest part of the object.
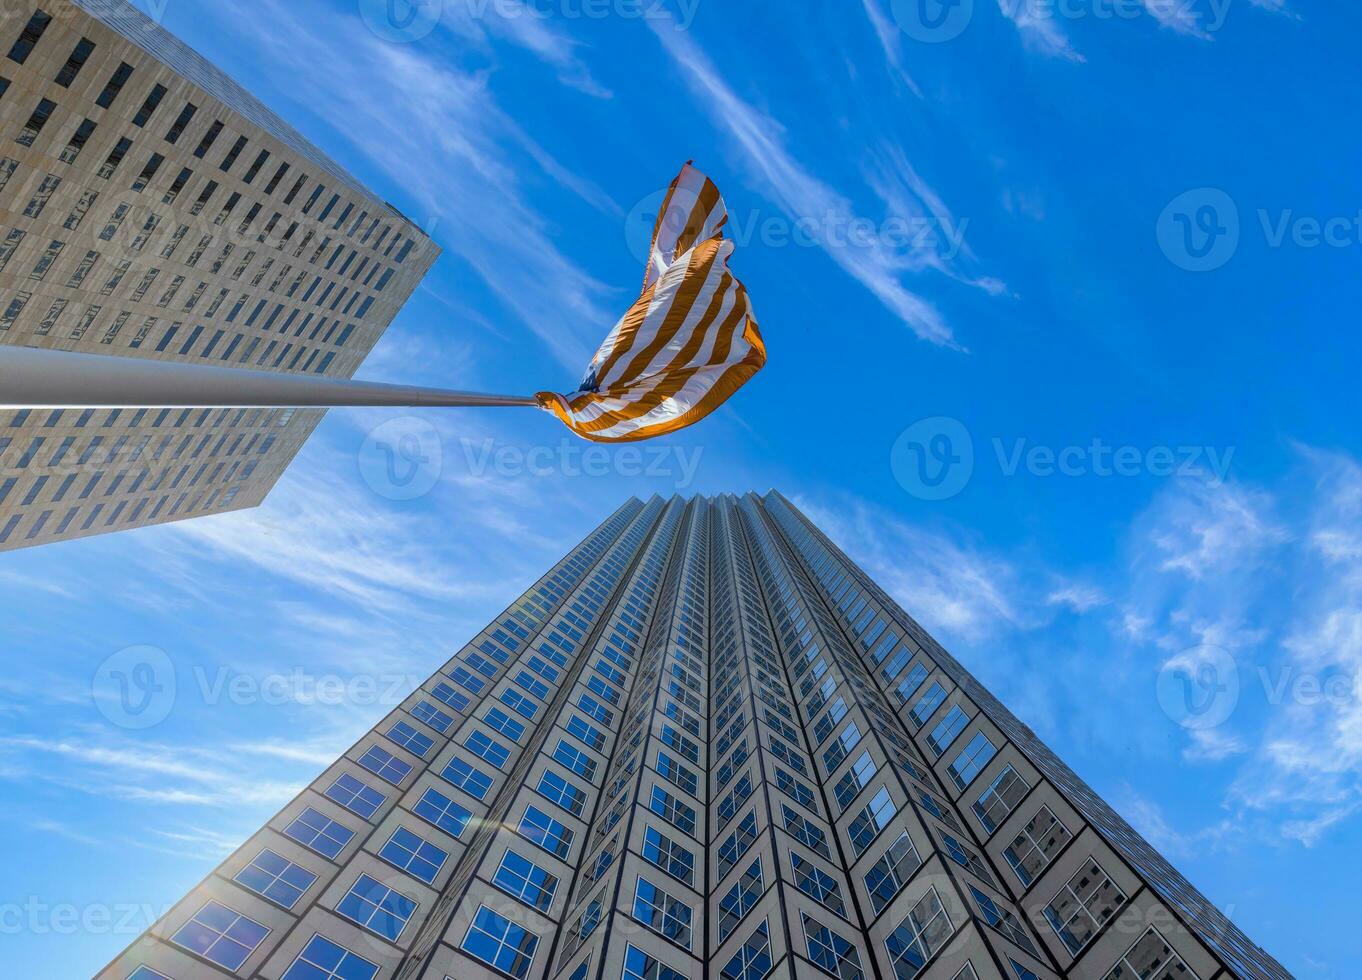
(1199, 688)
(135, 688)
(933, 21)
(402, 459)
(402, 21)
(933, 459)
(1199, 230)
(639, 225)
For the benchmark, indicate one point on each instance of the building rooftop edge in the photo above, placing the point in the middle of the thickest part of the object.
(133, 24)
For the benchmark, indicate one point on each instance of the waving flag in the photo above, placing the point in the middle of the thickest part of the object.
(687, 344)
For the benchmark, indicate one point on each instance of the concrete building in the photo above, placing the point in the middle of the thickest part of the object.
(151, 207)
(704, 745)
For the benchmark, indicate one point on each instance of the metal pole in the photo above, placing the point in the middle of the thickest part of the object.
(34, 378)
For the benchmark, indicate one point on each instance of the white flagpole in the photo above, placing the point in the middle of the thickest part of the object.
(35, 378)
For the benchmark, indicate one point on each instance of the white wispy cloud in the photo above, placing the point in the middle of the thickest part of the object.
(891, 41)
(1078, 597)
(1039, 29)
(879, 264)
(1179, 16)
(1205, 528)
(440, 133)
(527, 26)
(1279, 589)
(953, 587)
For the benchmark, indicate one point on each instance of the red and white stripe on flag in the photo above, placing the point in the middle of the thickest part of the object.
(688, 342)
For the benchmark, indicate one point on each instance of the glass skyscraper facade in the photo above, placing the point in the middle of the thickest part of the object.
(152, 208)
(704, 745)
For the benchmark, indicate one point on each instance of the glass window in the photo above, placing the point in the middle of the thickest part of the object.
(472, 781)
(1084, 903)
(873, 818)
(740, 899)
(947, 729)
(891, 872)
(321, 959)
(525, 880)
(922, 932)
(520, 703)
(485, 748)
(661, 912)
(220, 934)
(966, 858)
(276, 877)
(672, 810)
(1002, 796)
(830, 952)
(576, 760)
(410, 739)
(753, 960)
(737, 843)
(972, 758)
(805, 832)
(554, 787)
(539, 828)
(1151, 958)
(675, 772)
(668, 855)
(1036, 845)
(501, 943)
(376, 907)
(1002, 920)
(814, 882)
(384, 764)
(500, 721)
(414, 855)
(638, 965)
(443, 812)
(355, 796)
(856, 778)
(927, 704)
(432, 716)
(319, 832)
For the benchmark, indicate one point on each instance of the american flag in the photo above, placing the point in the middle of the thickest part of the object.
(688, 342)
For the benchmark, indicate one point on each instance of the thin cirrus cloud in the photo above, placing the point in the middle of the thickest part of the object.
(891, 41)
(878, 264)
(460, 156)
(1039, 28)
(1282, 596)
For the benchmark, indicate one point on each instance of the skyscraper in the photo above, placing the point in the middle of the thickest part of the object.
(151, 207)
(704, 745)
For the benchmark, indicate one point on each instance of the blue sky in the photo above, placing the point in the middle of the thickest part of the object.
(1060, 303)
